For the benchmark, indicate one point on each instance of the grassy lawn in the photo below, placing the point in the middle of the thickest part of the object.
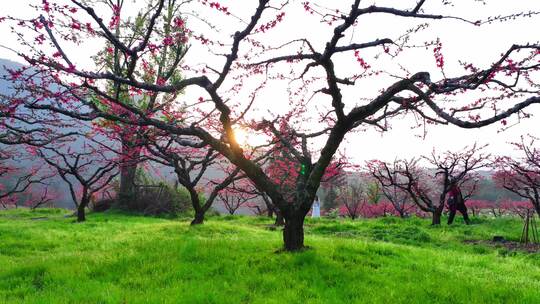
(115, 258)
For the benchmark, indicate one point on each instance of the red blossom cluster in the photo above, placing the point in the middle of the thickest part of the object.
(361, 61)
(216, 6)
(437, 52)
(271, 24)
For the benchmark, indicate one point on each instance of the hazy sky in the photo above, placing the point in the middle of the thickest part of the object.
(460, 42)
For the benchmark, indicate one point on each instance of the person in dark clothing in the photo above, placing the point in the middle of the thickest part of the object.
(456, 203)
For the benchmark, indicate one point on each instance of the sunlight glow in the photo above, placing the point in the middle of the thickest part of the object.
(250, 139)
(241, 136)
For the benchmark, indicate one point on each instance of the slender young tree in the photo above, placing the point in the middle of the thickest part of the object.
(521, 175)
(410, 177)
(268, 207)
(192, 163)
(394, 194)
(460, 167)
(427, 189)
(351, 198)
(237, 195)
(14, 181)
(86, 172)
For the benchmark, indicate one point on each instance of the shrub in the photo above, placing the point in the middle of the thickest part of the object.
(161, 199)
(212, 212)
(333, 213)
(153, 196)
(102, 205)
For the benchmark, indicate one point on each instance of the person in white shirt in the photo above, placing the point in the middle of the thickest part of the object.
(316, 211)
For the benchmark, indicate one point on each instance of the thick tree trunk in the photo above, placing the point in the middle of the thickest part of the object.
(196, 204)
(81, 214)
(436, 219)
(280, 221)
(126, 193)
(293, 233)
(128, 172)
(198, 219)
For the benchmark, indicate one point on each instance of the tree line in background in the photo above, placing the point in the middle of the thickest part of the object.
(128, 109)
(377, 190)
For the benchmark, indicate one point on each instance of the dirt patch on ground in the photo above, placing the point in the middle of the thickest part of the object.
(510, 245)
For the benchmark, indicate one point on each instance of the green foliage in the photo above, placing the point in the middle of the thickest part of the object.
(179, 197)
(487, 190)
(373, 193)
(116, 258)
(156, 197)
(212, 212)
(142, 177)
(332, 213)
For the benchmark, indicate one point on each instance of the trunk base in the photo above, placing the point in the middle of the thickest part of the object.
(198, 220)
(81, 216)
(436, 219)
(293, 234)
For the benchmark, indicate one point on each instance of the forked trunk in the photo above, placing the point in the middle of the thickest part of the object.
(199, 218)
(293, 233)
(402, 214)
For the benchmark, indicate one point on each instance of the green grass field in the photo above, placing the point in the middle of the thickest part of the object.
(115, 258)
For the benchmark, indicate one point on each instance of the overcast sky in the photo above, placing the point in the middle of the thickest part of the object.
(461, 41)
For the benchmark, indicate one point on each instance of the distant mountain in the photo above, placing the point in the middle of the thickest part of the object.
(158, 172)
(57, 185)
(6, 89)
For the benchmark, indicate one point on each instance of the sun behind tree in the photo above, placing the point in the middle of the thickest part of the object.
(241, 136)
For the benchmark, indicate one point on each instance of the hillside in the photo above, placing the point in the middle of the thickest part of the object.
(115, 258)
(57, 184)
